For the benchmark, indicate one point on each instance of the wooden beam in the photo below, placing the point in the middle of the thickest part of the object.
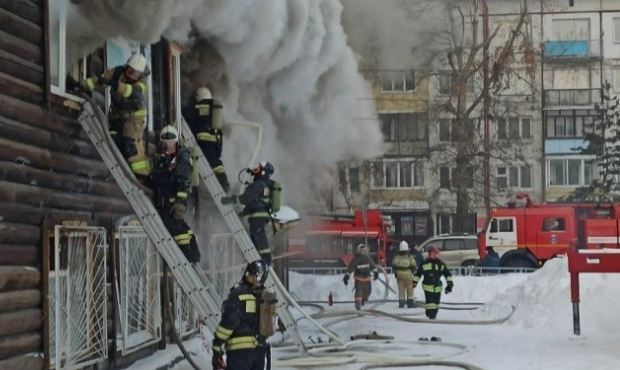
(20, 48)
(19, 344)
(21, 213)
(20, 300)
(20, 322)
(13, 24)
(13, 233)
(18, 255)
(21, 68)
(18, 278)
(35, 196)
(21, 89)
(25, 9)
(51, 180)
(46, 159)
(31, 361)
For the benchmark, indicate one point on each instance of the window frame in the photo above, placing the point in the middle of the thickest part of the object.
(565, 168)
(503, 131)
(416, 182)
(389, 75)
(62, 68)
(616, 34)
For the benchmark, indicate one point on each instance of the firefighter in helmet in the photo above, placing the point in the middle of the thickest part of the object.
(404, 267)
(205, 120)
(239, 331)
(430, 272)
(128, 111)
(260, 199)
(362, 266)
(171, 178)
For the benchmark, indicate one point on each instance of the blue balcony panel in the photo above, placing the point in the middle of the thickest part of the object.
(565, 146)
(559, 49)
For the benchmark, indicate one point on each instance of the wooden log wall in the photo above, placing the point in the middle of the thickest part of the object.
(48, 169)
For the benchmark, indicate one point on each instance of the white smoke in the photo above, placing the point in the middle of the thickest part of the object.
(283, 63)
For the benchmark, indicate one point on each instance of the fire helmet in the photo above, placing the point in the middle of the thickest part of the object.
(137, 62)
(258, 269)
(168, 138)
(264, 168)
(203, 94)
(433, 250)
(361, 248)
(404, 246)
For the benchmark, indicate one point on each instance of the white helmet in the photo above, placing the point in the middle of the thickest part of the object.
(404, 246)
(137, 62)
(203, 94)
(168, 139)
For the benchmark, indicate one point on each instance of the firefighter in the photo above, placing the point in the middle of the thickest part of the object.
(127, 115)
(260, 199)
(239, 331)
(204, 117)
(404, 267)
(171, 178)
(431, 271)
(362, 266)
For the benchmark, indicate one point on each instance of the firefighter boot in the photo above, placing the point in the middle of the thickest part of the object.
(401, 304)
(410, 303)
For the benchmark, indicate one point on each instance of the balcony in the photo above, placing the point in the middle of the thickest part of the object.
(571, 98)
(572, 50)
(565, 146)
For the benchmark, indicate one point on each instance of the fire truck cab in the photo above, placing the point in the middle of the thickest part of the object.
(330, 240)
(528, 236)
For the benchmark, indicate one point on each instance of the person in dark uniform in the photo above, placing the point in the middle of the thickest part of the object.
(257, 202)
(430, 272)
(171, 179)
(238, 333)
(204, 118)
(362, 266)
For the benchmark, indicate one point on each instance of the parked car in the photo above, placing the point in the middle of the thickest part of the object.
(457, 250)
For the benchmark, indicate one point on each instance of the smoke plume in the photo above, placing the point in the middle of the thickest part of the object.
(282, 63)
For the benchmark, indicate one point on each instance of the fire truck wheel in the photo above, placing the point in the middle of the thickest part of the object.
(518, 262)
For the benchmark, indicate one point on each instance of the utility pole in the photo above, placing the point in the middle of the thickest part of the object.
(487, 128)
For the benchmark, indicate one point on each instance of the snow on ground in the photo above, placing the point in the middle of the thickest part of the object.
(537, 336)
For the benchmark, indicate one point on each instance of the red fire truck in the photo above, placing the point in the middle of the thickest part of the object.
(330, 240)
(528, 235)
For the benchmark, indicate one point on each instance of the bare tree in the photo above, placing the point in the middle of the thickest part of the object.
(463, 49)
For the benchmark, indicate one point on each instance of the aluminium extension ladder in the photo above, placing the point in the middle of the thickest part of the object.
(243, 241)
(201, 293)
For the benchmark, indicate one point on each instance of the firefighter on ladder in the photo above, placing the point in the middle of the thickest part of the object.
(431, 271)
(404, 267)
(171, 178)
(362, 266)
(260, 199)
(205, 120)
(247, 317)
(127, 115)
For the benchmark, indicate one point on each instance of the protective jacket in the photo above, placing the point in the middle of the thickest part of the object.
(432, 270)
(362, 265)
(172, 178)
(257, 198)
(127, 115)
(209, 135)
(404, 265)
(239, 326)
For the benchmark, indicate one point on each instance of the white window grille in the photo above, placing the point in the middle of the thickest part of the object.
(77, 298)
(186, 319)
(139, 279)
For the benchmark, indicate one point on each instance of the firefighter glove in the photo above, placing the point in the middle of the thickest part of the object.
(375, 275)
(345, 279)
(217, 361)
(106, 81)
(178, 210)
(449, 287)
(229, 200)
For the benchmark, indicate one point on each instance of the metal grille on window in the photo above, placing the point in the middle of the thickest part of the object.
(139, 289)
(77, 297)
(186, 318)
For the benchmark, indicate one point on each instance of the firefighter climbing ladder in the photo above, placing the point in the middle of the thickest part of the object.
(192, 281)
(200, 292)
(244, 242)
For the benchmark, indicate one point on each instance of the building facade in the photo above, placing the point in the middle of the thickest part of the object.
(537, 120)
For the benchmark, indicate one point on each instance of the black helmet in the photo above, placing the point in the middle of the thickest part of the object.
(264, 168)
(258, 269)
